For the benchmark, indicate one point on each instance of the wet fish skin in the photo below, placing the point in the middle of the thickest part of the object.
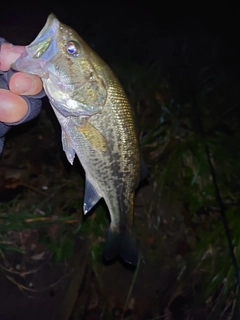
(97, 125)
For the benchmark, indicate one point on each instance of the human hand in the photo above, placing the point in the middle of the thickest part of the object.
(12, 106)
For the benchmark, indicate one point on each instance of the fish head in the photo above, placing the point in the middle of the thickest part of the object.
(74, 84)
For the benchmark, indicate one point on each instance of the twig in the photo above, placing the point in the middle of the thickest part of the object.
(29, 220)
(35, 190)
(22, 274)
(22, 287)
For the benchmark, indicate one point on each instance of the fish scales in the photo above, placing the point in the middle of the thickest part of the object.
(97, 125)
(123, 160)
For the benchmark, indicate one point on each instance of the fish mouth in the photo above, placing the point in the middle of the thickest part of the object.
(41, 50)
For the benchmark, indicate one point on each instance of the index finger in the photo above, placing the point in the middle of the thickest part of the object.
(9, 54)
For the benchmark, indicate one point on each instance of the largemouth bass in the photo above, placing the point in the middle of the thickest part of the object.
(97, 124)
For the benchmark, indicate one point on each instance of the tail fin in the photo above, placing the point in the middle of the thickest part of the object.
(122, 244)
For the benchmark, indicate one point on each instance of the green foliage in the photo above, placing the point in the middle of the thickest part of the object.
(95, 222)
(179, 112)
(54, 213)
(60, 243)
(61, 247)
(95, 227)
(193, 113)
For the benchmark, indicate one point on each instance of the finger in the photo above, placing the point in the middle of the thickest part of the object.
(9, 54)
(25, 83)
(12, 107)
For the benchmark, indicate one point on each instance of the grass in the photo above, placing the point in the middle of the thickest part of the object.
(174, 148)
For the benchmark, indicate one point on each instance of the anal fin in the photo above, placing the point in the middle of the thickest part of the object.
(91, 197)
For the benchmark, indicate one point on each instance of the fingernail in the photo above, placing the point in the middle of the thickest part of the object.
(22, 87)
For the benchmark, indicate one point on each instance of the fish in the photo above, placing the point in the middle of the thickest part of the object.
(97, 123)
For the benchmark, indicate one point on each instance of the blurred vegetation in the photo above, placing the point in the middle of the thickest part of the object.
(187, 113)
(186, 103)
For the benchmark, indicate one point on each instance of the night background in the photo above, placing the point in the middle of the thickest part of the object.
(180, 70)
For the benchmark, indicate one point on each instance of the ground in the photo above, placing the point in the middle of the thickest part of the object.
(38, 186)
(51, 258)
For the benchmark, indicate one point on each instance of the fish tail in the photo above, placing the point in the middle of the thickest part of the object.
(123, 244)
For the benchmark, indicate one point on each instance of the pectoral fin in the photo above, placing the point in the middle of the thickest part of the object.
(91, 197)
(94, 137)
(67, 147)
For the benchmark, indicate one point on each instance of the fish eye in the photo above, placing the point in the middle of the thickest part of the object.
(73, 48)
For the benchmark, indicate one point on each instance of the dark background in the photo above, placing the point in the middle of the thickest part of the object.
(183, 41)
(141, 31)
